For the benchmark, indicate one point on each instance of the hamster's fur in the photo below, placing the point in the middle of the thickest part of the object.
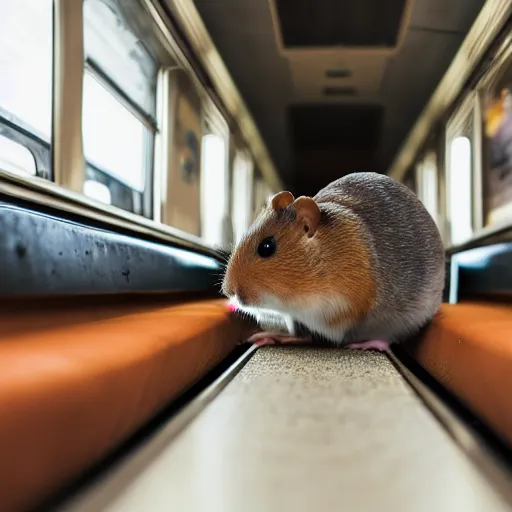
(372, 266)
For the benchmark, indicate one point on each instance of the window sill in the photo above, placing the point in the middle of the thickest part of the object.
(482, 237)
(50, 194)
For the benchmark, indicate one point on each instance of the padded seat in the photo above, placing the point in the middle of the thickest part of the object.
(468, 349)
(74, 385)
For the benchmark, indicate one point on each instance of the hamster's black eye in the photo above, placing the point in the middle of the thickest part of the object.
(267, 247)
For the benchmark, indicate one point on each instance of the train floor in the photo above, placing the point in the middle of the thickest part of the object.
(301, 429)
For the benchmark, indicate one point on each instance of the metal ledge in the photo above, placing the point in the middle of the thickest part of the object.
(42, 255)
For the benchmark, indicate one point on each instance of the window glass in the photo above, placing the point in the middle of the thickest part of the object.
(262, 194)
(242, 195)
(119, 102)
(113, 45)
(16, 158)
(460, 189)
(26, 67)
(26, 46)
(214, 175)
(114, 139)
(497, 168)
(427, 183)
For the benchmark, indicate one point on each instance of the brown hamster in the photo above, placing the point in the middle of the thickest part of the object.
(360, 264)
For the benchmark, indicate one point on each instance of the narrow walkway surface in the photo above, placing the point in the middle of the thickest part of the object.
(305, 430)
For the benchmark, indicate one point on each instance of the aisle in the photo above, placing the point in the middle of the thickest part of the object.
(303, 430)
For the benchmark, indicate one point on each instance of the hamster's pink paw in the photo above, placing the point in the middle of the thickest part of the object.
(269, 338)
(261, 342)
(380, 345)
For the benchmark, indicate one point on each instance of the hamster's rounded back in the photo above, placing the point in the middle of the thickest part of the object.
(406, 251)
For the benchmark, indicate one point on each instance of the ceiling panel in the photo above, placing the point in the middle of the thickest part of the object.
(275, 83)
(311, 74)
(349, 23)
(445, 15)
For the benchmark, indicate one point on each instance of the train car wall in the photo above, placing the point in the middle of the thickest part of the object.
(183, 186)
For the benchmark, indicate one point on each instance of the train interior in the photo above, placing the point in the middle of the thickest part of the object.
(139, 140)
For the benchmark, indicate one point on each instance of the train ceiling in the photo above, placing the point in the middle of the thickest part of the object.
(335, 85)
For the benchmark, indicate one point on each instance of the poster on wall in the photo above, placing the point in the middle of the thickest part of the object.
(183, 190)
(497, 171)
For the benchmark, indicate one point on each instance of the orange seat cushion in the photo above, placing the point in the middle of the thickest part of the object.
(468, 348)
(75, 384)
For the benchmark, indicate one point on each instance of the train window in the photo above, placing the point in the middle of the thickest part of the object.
(26, 58)
(213, 188)
(410, 180)
(114, 139)
(497, 119)
(426, 179)
(242, 194)
(112, 44)
(460, 132)
(460, 189)
(119, 105)
(262, 194)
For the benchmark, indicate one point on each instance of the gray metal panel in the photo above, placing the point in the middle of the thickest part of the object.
(452, 15)
(483, 272)
(302, 429)
(45, 255)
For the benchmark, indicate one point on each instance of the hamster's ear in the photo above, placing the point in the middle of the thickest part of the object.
(280, 201)
(308, 214)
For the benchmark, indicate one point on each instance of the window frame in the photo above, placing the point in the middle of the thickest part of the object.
(63, 191)
(465, 113)
(502, 58)
(421, 185)
(410, 179)
(71, 167)
(141, 202)
(241, 158)
(144, 199)
(19, 132)
(442, 184)
(261, 193)
(16, 130)
(68, 51)
(213, 123)
(481, 230)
